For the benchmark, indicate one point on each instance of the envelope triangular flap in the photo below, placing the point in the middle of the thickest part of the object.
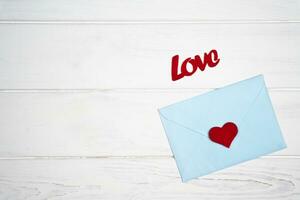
(186, 148)
(202, 112)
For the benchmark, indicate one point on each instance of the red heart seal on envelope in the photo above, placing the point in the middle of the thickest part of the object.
(224, 135)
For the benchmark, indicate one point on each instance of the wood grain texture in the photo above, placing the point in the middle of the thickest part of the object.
(107, 123)
(80, 82)
(124, 10)
(139, 56)
(153, 178)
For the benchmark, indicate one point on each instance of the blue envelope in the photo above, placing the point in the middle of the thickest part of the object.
(187, 125)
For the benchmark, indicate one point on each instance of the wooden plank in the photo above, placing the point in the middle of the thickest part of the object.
(146, 179)
(139, 56)
(104, 10)
(107, 123)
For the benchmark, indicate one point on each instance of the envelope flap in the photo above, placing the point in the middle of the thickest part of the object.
(230, 103)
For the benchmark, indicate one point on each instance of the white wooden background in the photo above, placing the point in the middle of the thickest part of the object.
(80, 82)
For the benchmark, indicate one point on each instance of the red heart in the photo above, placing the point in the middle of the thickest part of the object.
(224, 135)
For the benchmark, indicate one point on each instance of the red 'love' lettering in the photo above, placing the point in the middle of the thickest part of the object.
(211, 59)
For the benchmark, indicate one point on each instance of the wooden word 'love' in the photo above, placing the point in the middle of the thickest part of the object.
(211, 59)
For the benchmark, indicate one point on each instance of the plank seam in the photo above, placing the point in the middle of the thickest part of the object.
(122, 157)
(95, 90)
(162, 21)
